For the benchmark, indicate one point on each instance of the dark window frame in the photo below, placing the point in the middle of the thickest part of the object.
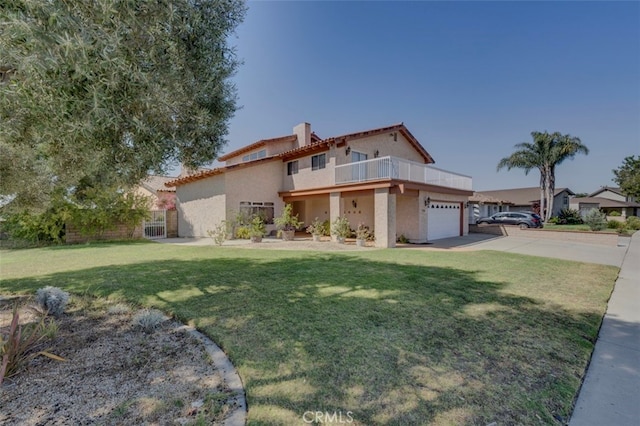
(319, 161)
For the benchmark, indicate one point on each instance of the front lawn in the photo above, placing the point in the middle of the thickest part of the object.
(392, 336)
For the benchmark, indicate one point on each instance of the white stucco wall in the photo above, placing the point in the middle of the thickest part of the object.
(200, 205)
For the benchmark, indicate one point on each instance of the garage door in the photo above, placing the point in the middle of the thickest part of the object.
(443, 220)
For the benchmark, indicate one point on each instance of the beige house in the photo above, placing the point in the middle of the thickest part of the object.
(153, 187)
(521, 200)
(381, 178)
(609, 200)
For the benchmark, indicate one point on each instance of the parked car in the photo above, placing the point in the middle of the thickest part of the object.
(521, 219)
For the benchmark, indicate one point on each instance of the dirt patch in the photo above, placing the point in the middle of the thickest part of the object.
(114, 373)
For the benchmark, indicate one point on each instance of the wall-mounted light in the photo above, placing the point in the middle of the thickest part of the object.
(395, 136)
(376, 153)
(347, 151)
(467, 204)
(427, 201)
(354, 204)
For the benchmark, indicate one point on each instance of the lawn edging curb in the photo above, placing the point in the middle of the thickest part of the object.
(238, 414)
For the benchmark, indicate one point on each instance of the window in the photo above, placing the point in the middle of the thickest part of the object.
(292, 168)
(248, 209)
(358, 156)
(255, 155)
(318, 161)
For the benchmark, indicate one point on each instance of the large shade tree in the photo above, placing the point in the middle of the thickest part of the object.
(547, 151)
(98, 93)
(628, 176)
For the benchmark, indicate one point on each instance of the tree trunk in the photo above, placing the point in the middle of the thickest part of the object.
(551, 194)
(543, 194)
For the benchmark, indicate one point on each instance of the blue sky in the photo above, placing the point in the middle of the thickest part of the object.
(469, 79)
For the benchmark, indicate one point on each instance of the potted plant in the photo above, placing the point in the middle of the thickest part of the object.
(316, 229)
(257, 229)
(362, 235)
(341, 229)
(287, 223)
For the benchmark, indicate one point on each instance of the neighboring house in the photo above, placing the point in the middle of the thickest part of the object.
(483, 205)
(162, 197)
(607, 199)
(381, 178)
(528, 199)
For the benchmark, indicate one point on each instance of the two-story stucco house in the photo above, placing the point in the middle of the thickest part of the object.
(381, 178)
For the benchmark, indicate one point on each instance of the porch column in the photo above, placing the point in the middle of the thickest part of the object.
(422, 217)
(384, 207)
(335, 209)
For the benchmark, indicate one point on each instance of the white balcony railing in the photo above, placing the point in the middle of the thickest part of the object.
(400, 169)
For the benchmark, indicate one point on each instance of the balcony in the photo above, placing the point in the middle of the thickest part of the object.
(387, 168)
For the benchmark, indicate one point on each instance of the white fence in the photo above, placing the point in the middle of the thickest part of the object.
(401, 169)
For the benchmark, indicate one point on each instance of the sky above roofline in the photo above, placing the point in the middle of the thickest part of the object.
(468, 79)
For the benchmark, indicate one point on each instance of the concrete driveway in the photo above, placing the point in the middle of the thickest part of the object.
(568, 250)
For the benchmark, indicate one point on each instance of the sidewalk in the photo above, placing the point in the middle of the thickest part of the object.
(610, 394)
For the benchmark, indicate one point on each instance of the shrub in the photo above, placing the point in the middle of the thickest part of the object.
(219, 233)
(326, 228)
(257, 227)
(633, 223)
(118, 309)
(614, 213)
(569, 217)
(554, 220)
(596, 220)
(148, 320)
(46, 227)
(615, 224)
(315, 228)
(243, 232)
(287, 221)
(21, 344)
(363, 232)
(341, 227)
(52, 299)
(402, 239)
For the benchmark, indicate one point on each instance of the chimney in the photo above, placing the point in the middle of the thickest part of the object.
(303, 132)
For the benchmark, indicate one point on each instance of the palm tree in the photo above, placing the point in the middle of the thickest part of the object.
(545, 153)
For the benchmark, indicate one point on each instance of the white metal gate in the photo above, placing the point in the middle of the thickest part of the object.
(156, 226)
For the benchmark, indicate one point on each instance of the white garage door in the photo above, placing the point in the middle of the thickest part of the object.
(443, 220)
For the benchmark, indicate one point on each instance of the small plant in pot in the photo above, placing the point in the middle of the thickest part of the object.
(257, 229)
(287, 223)
(316, 229)
(341, 229)
(362, 235)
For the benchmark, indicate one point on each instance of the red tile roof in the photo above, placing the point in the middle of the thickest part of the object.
(255, 145)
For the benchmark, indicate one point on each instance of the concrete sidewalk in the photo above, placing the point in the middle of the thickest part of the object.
(610, 394)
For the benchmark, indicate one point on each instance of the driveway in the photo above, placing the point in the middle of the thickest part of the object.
(568, 250)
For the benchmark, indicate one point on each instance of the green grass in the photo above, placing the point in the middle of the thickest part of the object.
(393, 336)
